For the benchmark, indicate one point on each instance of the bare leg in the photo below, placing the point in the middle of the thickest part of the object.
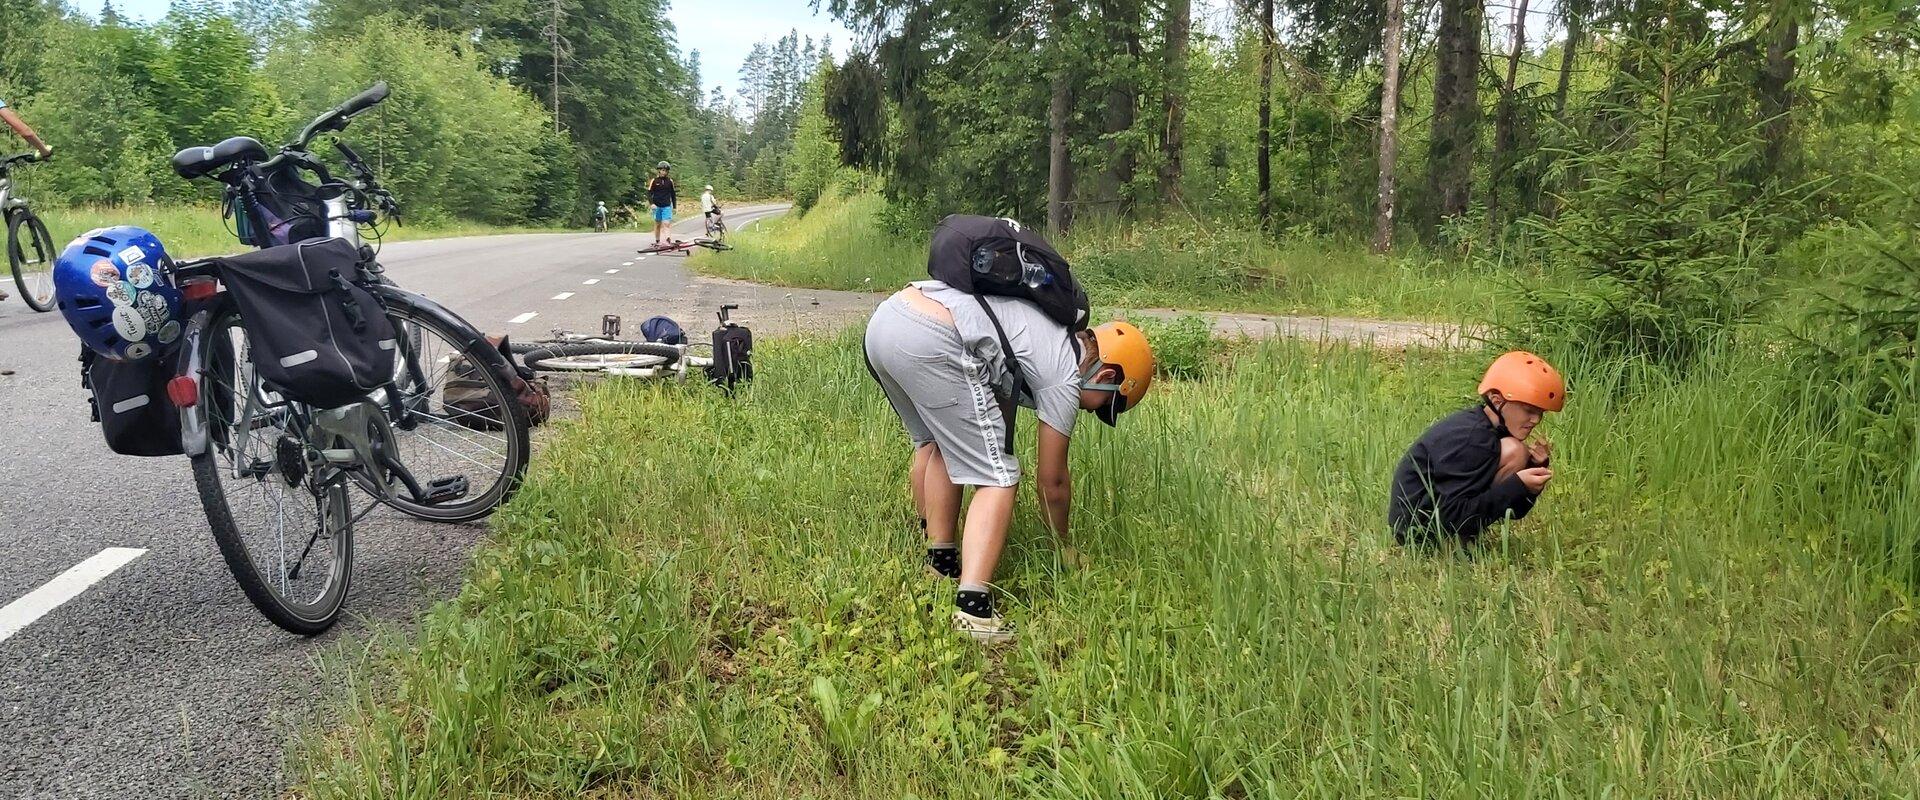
(988, 517)
(1513, 458)
(939, 497)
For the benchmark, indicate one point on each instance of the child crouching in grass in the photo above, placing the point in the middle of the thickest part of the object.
(1474, 467)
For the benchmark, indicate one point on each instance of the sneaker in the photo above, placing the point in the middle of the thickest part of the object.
(985, 630)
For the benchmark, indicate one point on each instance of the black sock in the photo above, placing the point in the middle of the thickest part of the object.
(974, 600)
(944, 559)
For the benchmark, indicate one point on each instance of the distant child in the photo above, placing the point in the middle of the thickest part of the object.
(662, 196)
(1474, 467)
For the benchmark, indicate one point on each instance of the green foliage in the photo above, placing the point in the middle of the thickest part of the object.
(108, 137)
(1184, 347)
(815, 156)
(1667, 243)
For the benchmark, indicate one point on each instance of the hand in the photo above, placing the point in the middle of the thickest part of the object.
(1535, 479)
(46, 152)
(1539, 452)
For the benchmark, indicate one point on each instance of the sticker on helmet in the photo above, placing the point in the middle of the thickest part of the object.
(169, 332)
(139, 350)
(132, 254)
(153, 307)
(121, 293)
(140, 275)
(105, 273)
(129, 324)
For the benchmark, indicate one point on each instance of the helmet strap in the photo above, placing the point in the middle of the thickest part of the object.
(1086, 378)
(1500, 419)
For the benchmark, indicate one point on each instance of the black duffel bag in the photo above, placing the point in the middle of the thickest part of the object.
(130, 402)
(316, 337)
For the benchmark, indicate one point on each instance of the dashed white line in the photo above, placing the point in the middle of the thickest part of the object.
(524, 317)
(591, 281)
(65, 586)
(613, 272)
(563, 295)
(626, 263)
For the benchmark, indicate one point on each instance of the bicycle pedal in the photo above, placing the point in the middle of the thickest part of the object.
(445, 490)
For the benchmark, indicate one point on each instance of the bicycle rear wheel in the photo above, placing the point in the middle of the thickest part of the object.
(284, 529)
(462, 419)
(31, 253)
(594, 356)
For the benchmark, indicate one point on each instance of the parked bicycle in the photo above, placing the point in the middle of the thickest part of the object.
(273, 470)
(30, 249)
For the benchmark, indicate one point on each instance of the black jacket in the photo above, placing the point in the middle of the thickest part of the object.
(1444, 485)
(661, 192)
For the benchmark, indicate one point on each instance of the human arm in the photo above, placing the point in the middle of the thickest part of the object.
(1467, 492)
(1054, 480)
(25, 131)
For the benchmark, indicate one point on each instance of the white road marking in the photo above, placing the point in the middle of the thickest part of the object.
(65, 586)
(524, 317)
(613, 272)
(592, 281)
(563, 295)
(626, 263)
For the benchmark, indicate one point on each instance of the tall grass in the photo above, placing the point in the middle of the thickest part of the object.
(853, 242)
(194, 231)
(709, 598)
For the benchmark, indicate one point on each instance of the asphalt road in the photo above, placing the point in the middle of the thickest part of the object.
(160, 680)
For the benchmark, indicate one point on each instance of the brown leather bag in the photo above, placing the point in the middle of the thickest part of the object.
(466, 391)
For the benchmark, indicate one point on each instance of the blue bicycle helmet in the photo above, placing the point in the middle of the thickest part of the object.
(115, 287)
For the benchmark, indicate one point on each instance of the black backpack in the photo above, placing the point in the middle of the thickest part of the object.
(316, 337)
(992, 255)
(998, 256)
(732, 353)
(131, 403)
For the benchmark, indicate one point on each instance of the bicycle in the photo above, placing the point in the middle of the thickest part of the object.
(582, 353)
(716, 225)
(30, 250)
(273, 473)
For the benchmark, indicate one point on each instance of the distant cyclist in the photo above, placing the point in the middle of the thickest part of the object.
(600, 216)
(25, 131)
(710, 209)
(662, 196)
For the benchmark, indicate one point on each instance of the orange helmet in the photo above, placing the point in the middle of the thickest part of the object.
(1528, 378)
(1124, 347)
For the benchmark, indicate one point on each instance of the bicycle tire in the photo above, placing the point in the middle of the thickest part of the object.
(306, 619)
(407, 308)
(42, 243)
(537, 359)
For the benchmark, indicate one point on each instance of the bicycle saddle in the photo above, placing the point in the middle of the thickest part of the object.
(195, 162)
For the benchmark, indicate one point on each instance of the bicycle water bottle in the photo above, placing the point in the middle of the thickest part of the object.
(1031, 272)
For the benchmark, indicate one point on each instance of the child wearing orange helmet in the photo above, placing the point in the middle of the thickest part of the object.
(1475, 467)
(937, 356)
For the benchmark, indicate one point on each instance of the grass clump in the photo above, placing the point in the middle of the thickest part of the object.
(858, 241)
(697, 596)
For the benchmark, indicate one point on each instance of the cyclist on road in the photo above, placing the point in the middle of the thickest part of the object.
(600, 216)
(662, 196)
(709, 208)
(26, 132)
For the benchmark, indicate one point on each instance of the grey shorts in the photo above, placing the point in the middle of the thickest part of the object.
(942, 393)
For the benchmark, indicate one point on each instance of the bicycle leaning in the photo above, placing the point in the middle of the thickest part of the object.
(275, 436)
(30, 250)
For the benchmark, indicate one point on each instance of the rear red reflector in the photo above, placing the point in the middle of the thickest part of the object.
(184, 391)
(197, 290)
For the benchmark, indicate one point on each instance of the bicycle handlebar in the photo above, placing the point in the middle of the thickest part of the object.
(337, 118)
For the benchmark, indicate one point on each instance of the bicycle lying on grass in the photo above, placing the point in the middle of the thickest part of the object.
(684, 246)
(728, 356)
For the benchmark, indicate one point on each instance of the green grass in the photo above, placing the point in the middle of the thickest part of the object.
(193, 231)
(843, 244)
(698, 597)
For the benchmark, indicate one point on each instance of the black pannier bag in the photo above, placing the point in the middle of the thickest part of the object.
(130, 402)
(732, 353)
(316, 337)
(991, 255)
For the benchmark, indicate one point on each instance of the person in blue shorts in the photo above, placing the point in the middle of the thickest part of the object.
(661, 195)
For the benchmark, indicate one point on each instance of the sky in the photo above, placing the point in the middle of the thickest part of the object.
(722, 30)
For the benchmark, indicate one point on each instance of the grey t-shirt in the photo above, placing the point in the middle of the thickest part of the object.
(1044, 348)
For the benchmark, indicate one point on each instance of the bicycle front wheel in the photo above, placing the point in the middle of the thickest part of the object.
(31, 253)
(596, 356)
(460, 418)
(284, 529)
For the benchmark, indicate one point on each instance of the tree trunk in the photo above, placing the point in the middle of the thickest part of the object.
(1776, 92)
(1456, 106)
(1059, 159)
(1389, 127)
(1267, 54)
(1505, 120)
(1173, 141)
(1575, 33)
(1123, 35)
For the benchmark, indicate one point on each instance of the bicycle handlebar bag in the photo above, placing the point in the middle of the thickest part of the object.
(316, 336)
